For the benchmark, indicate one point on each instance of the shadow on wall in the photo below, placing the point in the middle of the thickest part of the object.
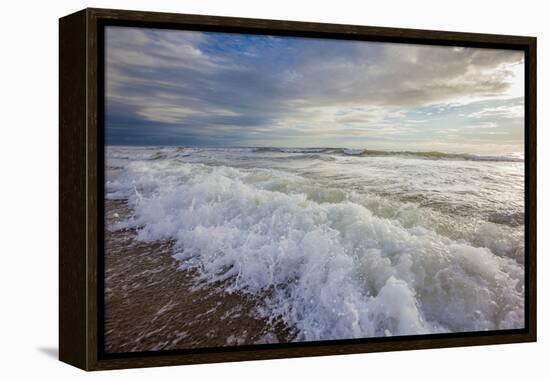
(51, 352)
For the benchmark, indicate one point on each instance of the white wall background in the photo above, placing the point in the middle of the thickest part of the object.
(29, 177)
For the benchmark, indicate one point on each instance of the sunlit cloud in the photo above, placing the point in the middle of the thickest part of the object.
(499, 112)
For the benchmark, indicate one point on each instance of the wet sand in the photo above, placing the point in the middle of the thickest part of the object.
(151, 304)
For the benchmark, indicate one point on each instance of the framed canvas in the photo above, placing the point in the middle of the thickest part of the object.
(239, 189)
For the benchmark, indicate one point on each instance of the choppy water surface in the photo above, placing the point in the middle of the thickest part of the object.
(339, 243)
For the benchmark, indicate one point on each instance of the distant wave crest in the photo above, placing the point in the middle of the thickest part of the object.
(380, 153)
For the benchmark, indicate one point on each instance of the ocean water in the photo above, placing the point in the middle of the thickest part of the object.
(339, 243)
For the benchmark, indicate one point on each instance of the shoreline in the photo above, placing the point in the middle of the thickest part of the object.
(152, 304)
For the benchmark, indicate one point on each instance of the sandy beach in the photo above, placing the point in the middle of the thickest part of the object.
(151, 304)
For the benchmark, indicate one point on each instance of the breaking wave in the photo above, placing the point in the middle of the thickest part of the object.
(332, 261)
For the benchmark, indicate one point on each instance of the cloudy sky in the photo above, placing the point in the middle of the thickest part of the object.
(167, 87)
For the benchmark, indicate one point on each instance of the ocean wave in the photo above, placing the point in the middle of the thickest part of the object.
(290, 150)
(168, 152)
(333, 269)
(380, 153)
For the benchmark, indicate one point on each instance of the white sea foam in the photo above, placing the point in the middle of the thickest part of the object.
(336, 248)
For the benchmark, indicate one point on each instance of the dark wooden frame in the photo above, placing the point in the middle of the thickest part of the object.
(81, 187)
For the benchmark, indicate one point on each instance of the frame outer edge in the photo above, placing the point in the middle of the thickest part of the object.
(350, 30)
(87, 346)
(72, 178)
(532, 206)
(92, 195)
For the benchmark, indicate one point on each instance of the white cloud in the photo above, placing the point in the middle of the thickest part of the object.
(504, 111)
